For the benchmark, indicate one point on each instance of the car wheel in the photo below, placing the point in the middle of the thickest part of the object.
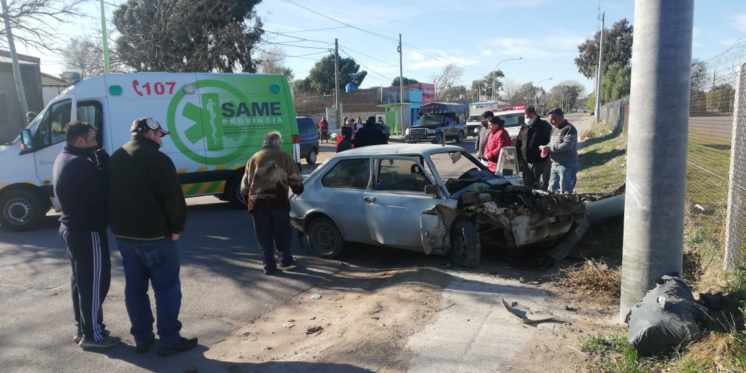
(324, 238)
(461, 136)
(22, 209)
(438, 139)
(312, 157)
(466, 249)
(233, 194)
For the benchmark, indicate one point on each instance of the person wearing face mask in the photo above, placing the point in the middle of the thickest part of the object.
(534, 133)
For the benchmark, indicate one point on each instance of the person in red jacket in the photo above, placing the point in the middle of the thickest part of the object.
(498, 138)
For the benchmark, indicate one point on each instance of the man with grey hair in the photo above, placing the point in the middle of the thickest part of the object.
(268, 176)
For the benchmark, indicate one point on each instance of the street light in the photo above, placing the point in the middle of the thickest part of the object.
(494, 80)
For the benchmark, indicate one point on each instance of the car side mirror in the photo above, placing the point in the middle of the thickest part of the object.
(431, 189)
(27, 139)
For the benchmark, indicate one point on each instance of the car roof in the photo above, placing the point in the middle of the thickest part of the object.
(398, 149)
(507, 112)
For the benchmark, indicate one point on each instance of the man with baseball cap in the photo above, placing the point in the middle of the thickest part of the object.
(148, 215)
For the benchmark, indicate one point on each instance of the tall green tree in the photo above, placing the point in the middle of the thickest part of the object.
(720, 99)
(616, 82)
(484, 86)
(395, 82)
(617, 49)
(321, 78)
(188, 35)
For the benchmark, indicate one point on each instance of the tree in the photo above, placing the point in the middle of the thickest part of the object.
(87, 57)
(528, 94)
(565, 95)
(188, 35)
(454, 94)
(35, 23)
(484, 86)
(720, 98)
(407, 81)
(698, 81)
(447, 79)
(273, 62)
(616, 82)
(321, 78)
(617, 49)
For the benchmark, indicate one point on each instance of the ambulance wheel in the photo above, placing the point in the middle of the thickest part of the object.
(22, 209)
(233, 194)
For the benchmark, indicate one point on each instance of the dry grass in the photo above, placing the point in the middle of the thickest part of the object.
(593, 278)
(717, 352)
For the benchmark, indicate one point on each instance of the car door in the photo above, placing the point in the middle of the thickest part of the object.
(396, 200)
(341, 195)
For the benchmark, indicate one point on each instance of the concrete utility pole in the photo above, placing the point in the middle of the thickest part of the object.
(401, 86)
(17, 78)
(600, 69)
(336, 84)
(105, 39)
(657, 146)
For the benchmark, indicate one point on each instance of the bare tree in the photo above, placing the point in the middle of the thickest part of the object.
(87, 57)
(272, 61)
(447, 79)
(35, 22)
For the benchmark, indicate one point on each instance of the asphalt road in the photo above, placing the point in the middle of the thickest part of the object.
(223, 287)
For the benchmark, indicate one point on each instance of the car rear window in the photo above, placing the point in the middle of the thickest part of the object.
(512, 120)
(306, 126)
(348, 173)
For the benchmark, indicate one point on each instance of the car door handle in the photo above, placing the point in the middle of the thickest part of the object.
(369, 199)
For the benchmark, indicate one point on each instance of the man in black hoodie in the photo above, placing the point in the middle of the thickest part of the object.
(81, 185)
(534, 133)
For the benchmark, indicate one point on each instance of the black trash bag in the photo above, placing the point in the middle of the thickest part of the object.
(667, 318)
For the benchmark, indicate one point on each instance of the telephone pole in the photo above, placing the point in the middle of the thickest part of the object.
(401, 86)
(599, 69)
(337, 116)
(17, 78)
(659, 110)
(105, 39)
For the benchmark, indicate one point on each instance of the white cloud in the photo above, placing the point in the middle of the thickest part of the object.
(739, 22)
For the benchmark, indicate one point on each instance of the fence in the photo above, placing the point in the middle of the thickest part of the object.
(616, 114)
(716, 176)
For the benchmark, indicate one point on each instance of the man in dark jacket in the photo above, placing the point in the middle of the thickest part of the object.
(370, 134)
(149, 213)
(535, 132)
(81, 183)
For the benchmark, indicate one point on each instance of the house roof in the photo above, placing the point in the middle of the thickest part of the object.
(52, 81)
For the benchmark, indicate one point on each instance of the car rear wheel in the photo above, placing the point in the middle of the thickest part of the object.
(312, 157)
(466, 249)
(22, 209)
(233, 194)
(324, 238)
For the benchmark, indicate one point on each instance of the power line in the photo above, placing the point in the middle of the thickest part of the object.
(293, 45)
(298, 38)
(339, 21)
(348, 49)
(316, 29)
(367, 68)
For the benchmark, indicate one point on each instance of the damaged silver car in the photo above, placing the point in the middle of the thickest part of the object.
(430, 198)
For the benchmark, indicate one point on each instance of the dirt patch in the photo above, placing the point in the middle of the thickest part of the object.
(364, 326)
(593, 279)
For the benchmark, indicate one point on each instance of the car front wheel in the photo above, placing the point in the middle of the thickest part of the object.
(466, 249)
(324, 238)
(22, 209)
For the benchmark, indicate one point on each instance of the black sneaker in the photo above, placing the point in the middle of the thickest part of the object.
(288, 265)
(144, 347)
(184, 344)
(106, 343)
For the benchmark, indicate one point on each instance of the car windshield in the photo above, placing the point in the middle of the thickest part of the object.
(475, 118)
(457, 169)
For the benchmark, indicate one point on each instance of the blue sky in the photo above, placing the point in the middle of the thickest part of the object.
(474, 34)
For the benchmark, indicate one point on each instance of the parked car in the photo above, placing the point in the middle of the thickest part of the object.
(309, 139)
(473, 125)
(513, 121)
(429, 198)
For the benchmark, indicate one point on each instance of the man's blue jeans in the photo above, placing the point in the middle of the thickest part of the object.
(562, 178)
(157, 263)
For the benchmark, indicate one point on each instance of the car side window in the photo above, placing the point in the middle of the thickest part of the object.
(54, 125)
(348, 173)
(512, 120)
(403, 175)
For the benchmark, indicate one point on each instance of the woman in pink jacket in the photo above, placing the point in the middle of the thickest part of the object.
(498, 139)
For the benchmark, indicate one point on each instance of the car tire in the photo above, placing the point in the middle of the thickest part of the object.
(466, 249)
(323, 238)
(461, 137)
(312, 157)
(22, 209)
(232, 193)
(438, 139)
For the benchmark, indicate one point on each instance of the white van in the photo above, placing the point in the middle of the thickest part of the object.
(216, 121)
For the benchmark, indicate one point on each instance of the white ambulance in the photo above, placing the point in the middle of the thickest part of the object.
(216, 122)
